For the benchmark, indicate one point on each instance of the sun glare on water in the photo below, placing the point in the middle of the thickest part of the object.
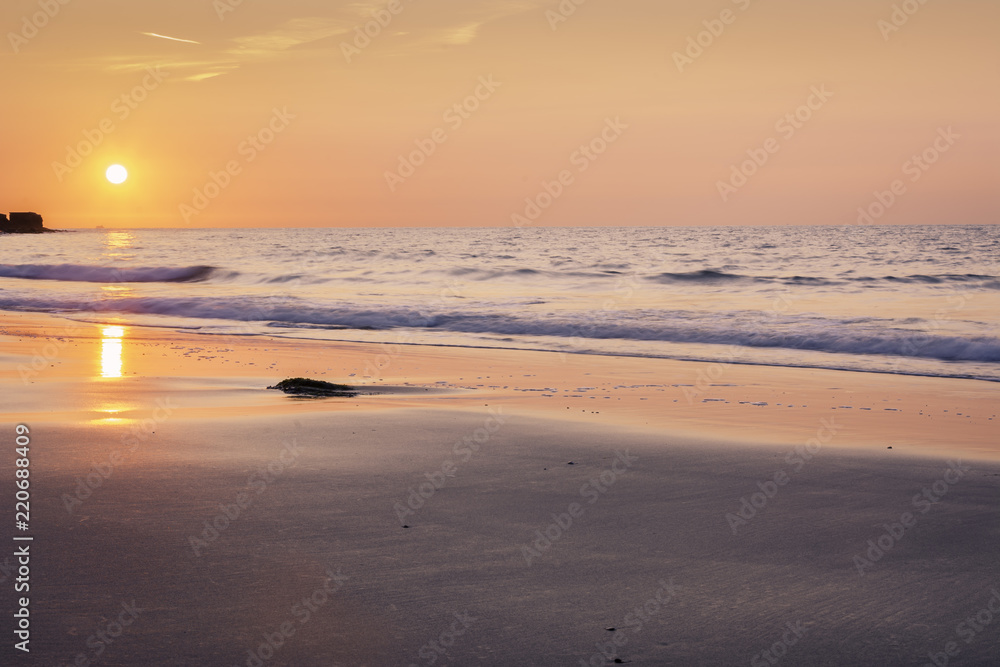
(116, 174)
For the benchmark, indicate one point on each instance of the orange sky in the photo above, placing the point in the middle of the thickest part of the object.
(338, 113)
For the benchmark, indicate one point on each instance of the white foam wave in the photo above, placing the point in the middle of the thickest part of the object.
(744, 329)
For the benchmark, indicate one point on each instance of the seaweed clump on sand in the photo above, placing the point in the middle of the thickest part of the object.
(314, 388)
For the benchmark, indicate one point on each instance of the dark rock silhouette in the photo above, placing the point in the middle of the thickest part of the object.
(22, 223)
(307, 388)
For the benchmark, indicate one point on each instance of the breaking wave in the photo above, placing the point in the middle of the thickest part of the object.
(106, 274)
(865, 336)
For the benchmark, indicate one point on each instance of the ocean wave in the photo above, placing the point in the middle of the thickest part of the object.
(106, 274)
(478, 274)
(931, 279)
(866, 336)
(702, 276)
(708, 277)
(712, 276)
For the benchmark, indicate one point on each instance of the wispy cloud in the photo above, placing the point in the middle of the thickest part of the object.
(320, 36)
(463, 34)
(463, 26)
(293, 33)
(205, 75)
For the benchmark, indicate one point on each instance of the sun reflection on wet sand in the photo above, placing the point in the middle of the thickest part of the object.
(112, 411)
(112, 417)
(111, 352)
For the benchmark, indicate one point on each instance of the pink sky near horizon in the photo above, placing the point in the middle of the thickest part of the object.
(671, 134)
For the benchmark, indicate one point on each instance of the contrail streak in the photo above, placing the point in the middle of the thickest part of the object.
(173, 39)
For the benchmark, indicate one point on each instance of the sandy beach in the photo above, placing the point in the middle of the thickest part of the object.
(492, 507)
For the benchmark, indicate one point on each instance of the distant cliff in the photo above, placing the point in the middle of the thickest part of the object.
(22, 223)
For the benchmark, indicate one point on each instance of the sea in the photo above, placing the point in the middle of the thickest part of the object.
(917, 300)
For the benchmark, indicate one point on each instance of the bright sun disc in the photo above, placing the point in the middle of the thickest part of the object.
(116, 174)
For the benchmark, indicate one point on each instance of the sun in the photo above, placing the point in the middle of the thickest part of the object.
(116, 174)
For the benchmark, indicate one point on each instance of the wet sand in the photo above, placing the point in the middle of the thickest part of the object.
(546, 498)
